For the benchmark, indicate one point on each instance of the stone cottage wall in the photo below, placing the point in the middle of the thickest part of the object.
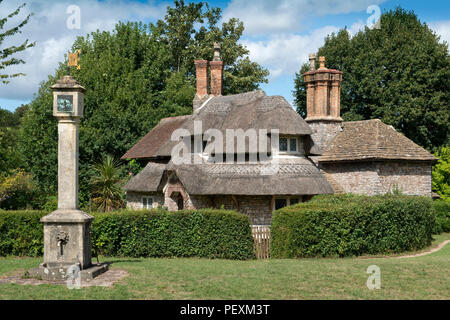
(411, 178)
(134, 199)
(373, 178)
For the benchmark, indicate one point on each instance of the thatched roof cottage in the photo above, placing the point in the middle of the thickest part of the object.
(272, 157)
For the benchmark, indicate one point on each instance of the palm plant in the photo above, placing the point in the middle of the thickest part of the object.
(106, 185)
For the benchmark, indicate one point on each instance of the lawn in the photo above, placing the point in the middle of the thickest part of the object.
(425, 277)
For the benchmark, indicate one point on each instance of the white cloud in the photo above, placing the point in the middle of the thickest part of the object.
(442, 28)
(275, 16)
(285, 53)
(48, 28)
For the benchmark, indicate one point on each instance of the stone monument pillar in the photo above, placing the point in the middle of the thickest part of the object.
(67, 231)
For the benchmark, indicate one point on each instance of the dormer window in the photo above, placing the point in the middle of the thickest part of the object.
(288, 145)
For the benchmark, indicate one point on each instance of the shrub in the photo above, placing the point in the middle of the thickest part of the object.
(442, 213)
(351, 225)
(147, 233)
(21, 233)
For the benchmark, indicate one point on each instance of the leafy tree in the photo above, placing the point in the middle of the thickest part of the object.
(190, 32)
(441, 174)
(133, 80)
(106, 186)
(6, 54)
(399, 73)
(9, 156)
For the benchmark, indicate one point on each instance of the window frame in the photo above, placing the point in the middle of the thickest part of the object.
(289, 151)
(147, 198)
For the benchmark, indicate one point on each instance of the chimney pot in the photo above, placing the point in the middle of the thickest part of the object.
(312, 61)
(216, 67)
(322, 63)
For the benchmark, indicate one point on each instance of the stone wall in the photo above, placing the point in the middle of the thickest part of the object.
(380, 177)
(324, 132)
(134, 199)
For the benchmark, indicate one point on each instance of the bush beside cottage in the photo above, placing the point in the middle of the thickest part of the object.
(352, 225)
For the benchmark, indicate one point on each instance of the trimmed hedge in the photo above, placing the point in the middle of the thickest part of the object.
(442, 211)
(147, 233)
(352, 225)
(21, 233)
(159, 233)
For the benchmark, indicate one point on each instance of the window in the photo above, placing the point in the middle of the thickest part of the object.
(288, 201)
(147, 202)
(280, 203)
(283, 145)
(293, 145)
(288, 145)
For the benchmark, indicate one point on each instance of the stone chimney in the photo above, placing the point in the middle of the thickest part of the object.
(216, 72)
(323, 101)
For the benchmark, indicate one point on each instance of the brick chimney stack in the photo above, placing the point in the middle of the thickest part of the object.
(216, 72)
(323, 101)
(201, 70)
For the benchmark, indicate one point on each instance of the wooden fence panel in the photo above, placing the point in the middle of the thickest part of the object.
(261, 238)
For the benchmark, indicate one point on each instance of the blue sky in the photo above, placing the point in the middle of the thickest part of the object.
(279, 33)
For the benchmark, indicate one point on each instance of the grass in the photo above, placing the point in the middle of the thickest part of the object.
(425, 277)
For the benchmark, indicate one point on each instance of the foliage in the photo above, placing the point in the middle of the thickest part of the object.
(21, 233)
(441, 174)
(6, 54)
(147, 233)
(106, 185)
(442, 213)
(190, 30)
(351, 225)
(398, 73)
(19, 183)
(134, 76)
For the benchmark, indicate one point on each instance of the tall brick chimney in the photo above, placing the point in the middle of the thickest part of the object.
(202, 94)
(323, 104)
(216, 72)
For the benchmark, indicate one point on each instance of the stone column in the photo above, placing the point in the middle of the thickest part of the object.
(67, 231)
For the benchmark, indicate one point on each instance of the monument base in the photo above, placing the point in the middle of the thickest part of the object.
(62, 272)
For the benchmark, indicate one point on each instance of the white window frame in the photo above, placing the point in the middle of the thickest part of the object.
(148, 198)
(289, 151)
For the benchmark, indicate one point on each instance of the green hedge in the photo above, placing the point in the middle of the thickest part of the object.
(150, 233)
(442, 211)
(21, 233)
(159, 233)
(351, 225)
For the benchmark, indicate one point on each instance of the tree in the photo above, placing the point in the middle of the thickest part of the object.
(190, 32)
(106, 186)
(6, 54)
(133, 80)
(441, 174)
(9, 156)
(399, 73)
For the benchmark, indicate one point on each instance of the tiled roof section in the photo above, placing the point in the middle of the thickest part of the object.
(149, 145)
(372, 140)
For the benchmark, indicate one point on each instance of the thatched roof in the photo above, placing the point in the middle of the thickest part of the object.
(148, 179)
(250, 110)
(149, 145)
(372, 140)
(297, 176)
